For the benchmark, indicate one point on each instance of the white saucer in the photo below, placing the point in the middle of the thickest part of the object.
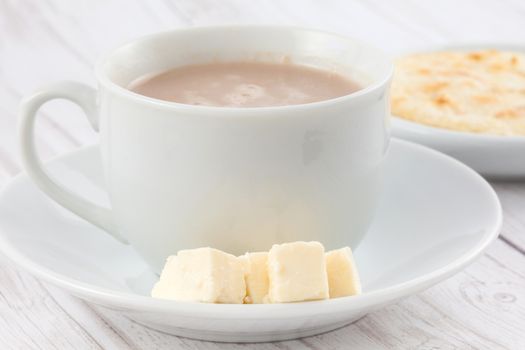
(436, 216)
(496, 157)
(491, 155)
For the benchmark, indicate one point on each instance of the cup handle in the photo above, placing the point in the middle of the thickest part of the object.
(85, 97)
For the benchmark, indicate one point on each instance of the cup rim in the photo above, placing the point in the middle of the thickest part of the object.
(356, 96)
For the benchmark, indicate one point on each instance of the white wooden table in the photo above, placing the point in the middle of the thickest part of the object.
(482, 307)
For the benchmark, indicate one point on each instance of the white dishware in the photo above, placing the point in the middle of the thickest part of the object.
(182, 176)
(493, 156)
(436, 216)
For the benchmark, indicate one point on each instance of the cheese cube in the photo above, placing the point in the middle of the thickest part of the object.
(256, 277)
(204, 274)
(343, 279)
(297, 272)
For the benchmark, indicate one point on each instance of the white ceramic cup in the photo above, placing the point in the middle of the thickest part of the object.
(238, 179)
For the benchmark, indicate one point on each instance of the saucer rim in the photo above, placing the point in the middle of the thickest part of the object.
(419, 129)
(364, 301)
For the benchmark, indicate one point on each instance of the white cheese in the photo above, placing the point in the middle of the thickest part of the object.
(343, 279)
(297, 272)
(256, 277)
(205, 275)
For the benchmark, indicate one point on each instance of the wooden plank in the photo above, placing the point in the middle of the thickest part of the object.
(31, 319)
